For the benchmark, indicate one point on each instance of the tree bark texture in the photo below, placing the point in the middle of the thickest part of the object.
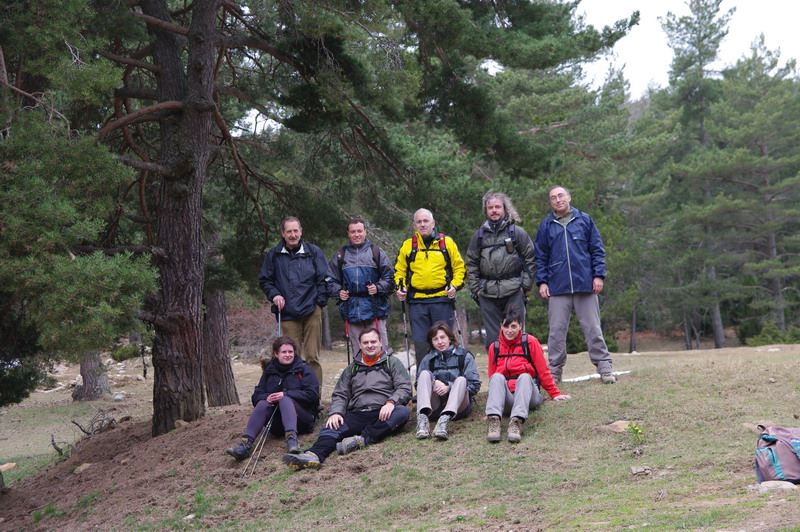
(185, 149)
(716, 314)
(95, 379)
(217, 372)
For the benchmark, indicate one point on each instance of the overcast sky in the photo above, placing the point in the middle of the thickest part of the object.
(644, 51)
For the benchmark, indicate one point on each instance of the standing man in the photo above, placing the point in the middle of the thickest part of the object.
(361, 278)
(367, 405)
(570, 269)
(293, 279)
(500, 263)
(428, 272)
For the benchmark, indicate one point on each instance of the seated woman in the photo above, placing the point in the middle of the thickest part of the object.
(289, 389)
(447, 379)
(516, 369)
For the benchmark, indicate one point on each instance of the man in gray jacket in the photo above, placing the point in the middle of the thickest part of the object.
(500, 263)
(367, 405)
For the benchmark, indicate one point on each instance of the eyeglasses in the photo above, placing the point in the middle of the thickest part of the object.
(559, 196)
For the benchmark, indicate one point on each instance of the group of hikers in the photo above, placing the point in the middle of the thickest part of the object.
(566, 261)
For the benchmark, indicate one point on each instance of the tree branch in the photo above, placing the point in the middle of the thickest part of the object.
(157, 252)
(127, 119)
(144, 165)
(128, 61)
(163, 24)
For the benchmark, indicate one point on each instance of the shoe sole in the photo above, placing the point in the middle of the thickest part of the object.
(493, 439)
(423, 435)
(238, 457)
(441, 436)
(514, 440)
(296, 464)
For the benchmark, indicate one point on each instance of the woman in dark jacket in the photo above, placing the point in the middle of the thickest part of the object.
(289, 390)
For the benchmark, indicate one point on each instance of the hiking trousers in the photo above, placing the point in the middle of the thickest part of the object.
(422, 316)
(502, 401)
(356, 327)
(364, 423)
(307, 331)
(493, 309)
(587, 310)
(290, 416)
(456, 402)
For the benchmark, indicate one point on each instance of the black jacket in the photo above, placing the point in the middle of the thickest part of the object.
(299, 277)
(297, 381)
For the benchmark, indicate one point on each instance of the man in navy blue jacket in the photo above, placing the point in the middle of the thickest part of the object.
(293, 279)
(570, 270)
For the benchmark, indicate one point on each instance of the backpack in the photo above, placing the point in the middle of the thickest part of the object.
(376, 256)
(526, 353)
(778, 454)
(460, 353)
(448, 267)
(523, 266)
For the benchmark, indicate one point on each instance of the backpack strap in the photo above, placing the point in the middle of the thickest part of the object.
(526, 352)
(512, 235)
(448, 266)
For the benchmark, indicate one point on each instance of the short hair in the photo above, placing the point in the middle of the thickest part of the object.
(290, 219)
(284, 340)
(513, 314)
(511, 212)
(441, 325)
(368, 330)
(414, 217)
(549, 190)
(356, 220)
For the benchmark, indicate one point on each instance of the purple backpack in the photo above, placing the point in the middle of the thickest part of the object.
(778, 454)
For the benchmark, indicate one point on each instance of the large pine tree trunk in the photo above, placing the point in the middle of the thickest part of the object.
(217, 372)
(185, 149)
(95, 379)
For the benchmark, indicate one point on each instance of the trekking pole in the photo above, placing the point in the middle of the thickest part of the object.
(280, 333)
(458, 324)
(347, 338)
(259, 445)
(405, 328)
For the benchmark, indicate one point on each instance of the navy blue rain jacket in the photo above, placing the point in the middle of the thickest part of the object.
(297, 381)
(298, 277)
(358, 268)
(569, 258)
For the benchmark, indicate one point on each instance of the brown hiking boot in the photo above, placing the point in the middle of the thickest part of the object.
(514, 430)
(494, 429)
(608, 378)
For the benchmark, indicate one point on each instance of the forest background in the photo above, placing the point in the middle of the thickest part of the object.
(135, 198)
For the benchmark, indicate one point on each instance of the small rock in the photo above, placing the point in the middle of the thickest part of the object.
(641, 470)
(617, 426)
(79, 381)
(139, 378)
(181, 423)
(772, 380)
(81, 468)
(8, 466)
(771, 485)
(119, 397)
(189, 517)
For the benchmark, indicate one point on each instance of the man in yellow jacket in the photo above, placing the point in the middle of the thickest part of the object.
(428, 273)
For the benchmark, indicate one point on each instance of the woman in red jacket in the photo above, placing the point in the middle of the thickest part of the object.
(517, 368)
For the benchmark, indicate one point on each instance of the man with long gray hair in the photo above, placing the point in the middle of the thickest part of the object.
(499, 263)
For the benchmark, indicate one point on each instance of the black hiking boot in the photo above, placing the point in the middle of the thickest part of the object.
(292, 445)
(242, 450)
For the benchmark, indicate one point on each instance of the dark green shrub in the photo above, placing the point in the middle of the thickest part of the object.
(125, 352)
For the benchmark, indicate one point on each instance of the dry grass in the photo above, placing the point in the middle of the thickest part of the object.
(565, 474)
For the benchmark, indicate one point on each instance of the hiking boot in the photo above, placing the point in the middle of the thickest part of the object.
(306, 460)
(494, 429)
(348, 445)
(608, 378)
(423, 427)
(242, 450)
(292, 445)
(440, 431)
(514, 430)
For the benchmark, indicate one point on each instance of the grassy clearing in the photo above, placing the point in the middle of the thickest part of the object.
(688, 408)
